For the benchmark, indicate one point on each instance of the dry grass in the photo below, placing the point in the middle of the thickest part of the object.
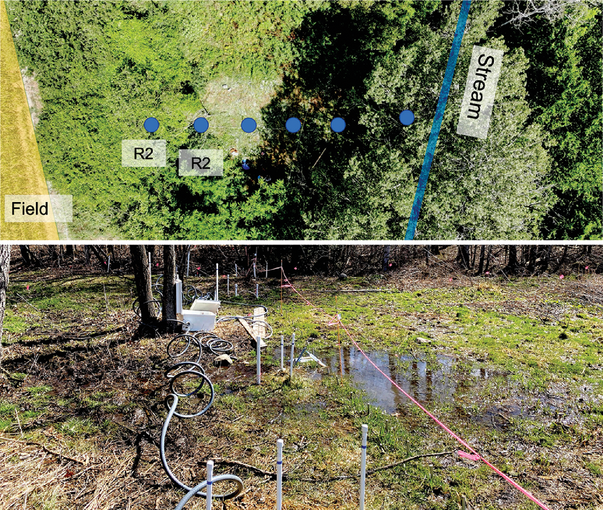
(229, 101)
(95, 443)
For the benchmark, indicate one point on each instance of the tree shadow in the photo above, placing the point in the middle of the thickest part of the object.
(336, 50)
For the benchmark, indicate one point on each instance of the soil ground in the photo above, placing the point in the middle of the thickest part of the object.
(82, 395)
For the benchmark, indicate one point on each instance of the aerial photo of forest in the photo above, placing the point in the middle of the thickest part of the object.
(98, 69)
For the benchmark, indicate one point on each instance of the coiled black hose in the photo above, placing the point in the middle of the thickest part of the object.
(216, 345)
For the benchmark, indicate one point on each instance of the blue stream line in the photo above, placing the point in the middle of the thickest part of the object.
(437, 121)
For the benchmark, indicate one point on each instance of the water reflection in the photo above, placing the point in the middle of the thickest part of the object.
(413, 376)
(427, 382)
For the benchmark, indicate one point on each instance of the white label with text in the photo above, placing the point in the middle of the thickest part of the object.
(480, 90)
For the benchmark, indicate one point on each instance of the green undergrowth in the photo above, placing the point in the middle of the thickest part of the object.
(320, 423)
(36, 303)
(516, 327)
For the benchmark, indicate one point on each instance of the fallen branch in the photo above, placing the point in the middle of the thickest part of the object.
(36, 309)
(40, 445)
(389, 466)
(332, 479)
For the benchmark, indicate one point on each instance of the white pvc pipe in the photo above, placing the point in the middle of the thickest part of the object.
(236, 289)
(279, 474)
(108, 263)
(236, 271)
(282, 352)
(178, 295)
(254, 269)
(257, 289)
(150, 265)
(258, 339)
(188, 261)
(266, 269)
(363, 466)
(210, 472)
(228, 285)
(292, 355)
(217, 280)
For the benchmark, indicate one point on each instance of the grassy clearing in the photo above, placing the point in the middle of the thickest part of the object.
(80, 414)
(231, 99)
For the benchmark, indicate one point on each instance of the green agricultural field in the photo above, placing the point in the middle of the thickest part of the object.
(103, 67)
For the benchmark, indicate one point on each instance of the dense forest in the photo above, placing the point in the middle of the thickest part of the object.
(103, 67)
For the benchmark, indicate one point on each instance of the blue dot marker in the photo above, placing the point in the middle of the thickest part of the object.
(407, 117)
(151, 124)
(201, 125)
(293, 125)
(248, 125)
(338, 124)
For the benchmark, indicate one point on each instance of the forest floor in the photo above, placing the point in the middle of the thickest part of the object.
(513, 366)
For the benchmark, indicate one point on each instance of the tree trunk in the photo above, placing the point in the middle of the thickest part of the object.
(512, 264)
(386, 252)
(142, 276)
(488, 259)
(463, 256)
(100, 255)
(25, 253)
(547, 258)
(169, 288)
(481, 259)
(562, 260)
(4, 268)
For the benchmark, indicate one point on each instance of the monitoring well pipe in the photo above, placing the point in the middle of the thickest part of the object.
(257, 290)
(236, 289)
(210, 472)
(279, 474)
(292, 356)
(282, 352)
(217, 280)
(363, 466)
(258, 349)
(228, 285)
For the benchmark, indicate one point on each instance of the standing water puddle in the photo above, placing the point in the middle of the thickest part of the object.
(413, 376)
(427, 382)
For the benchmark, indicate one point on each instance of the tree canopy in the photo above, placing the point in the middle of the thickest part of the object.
(105, 66)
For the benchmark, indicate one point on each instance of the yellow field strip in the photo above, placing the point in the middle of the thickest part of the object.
(21, 170)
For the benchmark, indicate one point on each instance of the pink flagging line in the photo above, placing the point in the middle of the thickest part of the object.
(475, 456)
